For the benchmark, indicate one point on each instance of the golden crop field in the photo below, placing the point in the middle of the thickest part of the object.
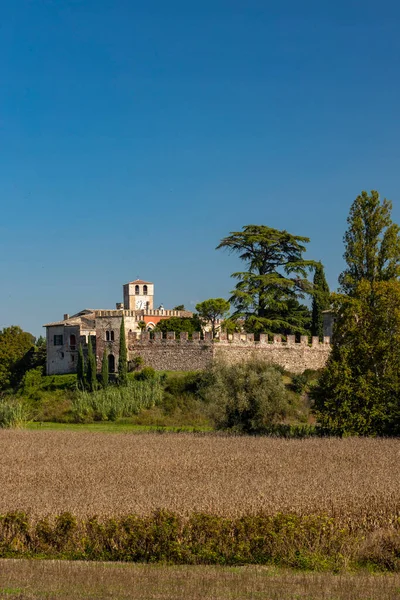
(46, 473)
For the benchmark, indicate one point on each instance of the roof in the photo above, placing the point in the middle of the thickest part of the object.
(141, 281)
(84, 317)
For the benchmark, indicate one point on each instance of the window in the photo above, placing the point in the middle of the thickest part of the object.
(137, 291)
(145, 290)
(72, 342)
(107, 336)
(72, 358)
(112, 335)
(58, 340)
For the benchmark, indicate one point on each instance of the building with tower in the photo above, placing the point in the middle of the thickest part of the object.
(64, 337)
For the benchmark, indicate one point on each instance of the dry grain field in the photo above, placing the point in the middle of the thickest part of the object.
(46, 473)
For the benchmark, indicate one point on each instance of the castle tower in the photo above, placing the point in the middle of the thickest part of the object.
(138, 295)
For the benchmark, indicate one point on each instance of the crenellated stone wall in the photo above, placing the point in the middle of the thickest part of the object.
(182, 354)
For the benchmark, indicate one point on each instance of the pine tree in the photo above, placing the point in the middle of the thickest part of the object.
(91, 370)
(104, 369)
(80, 369)
(123, 357)
(320, 302)
(266, 297)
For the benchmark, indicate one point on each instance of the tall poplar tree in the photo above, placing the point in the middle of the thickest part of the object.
(267, 294)
(372, 243)
(123, 356)
(321, 301)
(80, 369)
(91, 369)
(358, 392)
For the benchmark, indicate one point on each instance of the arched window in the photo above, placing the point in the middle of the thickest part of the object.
(107, 336)
(112, 335)
(145, 290)
(137, 291)
(111, 363)
(72, 342)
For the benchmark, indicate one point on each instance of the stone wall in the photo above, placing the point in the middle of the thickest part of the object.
(190, 355)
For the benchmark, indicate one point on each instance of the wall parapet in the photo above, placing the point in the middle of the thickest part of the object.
(162, 312)
(115, 313)
(239, 339)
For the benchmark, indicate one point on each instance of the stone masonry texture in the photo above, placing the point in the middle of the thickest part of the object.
(192, 355)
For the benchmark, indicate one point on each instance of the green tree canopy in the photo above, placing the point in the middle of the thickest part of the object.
(248, 397)
(359, 390)
(179, 324)
(15, 345)
(267, 295)
(321, 300)
(211, 310)
(372, 243)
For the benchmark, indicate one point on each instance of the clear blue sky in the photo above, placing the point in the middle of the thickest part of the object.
(135, 135)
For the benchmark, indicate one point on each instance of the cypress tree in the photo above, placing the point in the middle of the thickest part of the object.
(104, 369)
(80, 369)
(91, 370)
(123, 357)
(320, 302)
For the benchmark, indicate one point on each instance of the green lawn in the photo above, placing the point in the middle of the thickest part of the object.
(109, 427)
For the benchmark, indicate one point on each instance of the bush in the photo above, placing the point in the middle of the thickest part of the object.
(32, 382)
(145, 374)
(247, 397)
(299, 383)
(190, 382)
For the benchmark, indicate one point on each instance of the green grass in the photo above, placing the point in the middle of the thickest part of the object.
(123, 426)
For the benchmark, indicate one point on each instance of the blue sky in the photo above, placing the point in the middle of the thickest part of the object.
(135, 135)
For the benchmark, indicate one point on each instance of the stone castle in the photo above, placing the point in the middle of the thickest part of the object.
(103, 326)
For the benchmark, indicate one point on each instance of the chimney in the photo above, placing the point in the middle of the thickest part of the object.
(66, 316)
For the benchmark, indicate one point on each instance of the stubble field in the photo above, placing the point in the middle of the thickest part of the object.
(47, 473)
(35, 580)
(319, 504)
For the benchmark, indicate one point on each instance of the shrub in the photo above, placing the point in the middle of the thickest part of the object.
(248, 397)
(184, 383)
(145, 374)
(32, 382)
(299, 382)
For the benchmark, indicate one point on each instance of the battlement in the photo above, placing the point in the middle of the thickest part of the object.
(178, 352)
(115, 313)
(240, 339)
(162, 312)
